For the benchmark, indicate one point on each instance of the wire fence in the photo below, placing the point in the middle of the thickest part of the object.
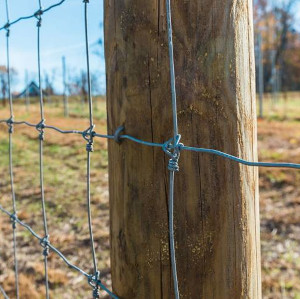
(173, 148)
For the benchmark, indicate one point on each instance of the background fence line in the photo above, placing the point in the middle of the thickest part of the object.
(172, 148)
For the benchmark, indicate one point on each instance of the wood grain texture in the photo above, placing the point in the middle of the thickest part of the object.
(216, 201)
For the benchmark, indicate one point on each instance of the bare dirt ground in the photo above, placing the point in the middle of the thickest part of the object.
(65, 193)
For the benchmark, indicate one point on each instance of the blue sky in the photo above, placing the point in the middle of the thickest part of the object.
(62, 33)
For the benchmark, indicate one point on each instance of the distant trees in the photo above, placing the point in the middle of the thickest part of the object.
(78, 85)
(49, 82)
(4, 82)
(280, 43)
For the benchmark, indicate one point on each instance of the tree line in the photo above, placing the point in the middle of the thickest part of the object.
(275, 22)
(76, 84)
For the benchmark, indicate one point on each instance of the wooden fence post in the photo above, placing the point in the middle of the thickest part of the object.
(216, 201)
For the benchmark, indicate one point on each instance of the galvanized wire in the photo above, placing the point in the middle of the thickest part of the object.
(173, 162)
(3, 293)
(89, 134)
(90, 278)
(14, 212)
(10, 132)
(172, 148)
(40, 128)
(181, 147)
(32, 15)
(89, 148)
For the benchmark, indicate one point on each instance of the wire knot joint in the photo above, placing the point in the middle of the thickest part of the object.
(40, 127)
(90, 147)
(93, 281)
(14, 218)
(89, 135)
(6, 27)
(10, 123)
(45, 244)
(38, 15)
(172, 148)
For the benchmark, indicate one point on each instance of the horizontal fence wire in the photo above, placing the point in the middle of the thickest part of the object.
(172, 148)
(89, 277)
(88, 134)
(163, 145)
(32, 16)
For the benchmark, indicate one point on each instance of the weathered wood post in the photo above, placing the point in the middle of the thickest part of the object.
(216, 201)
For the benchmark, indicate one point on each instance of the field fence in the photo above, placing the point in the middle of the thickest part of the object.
(172, 148)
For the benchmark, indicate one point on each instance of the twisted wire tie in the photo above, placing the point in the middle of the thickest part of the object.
(6, 27)
(40, 127)
(38, 15)
(10, 123)
(93, 281)
(89, 135)
(45, 244)
(172, 148)
(14, 218)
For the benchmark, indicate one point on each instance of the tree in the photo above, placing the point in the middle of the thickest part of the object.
(4, 82)
(276, 24)
(78, 85)
(216, 201)
(49, 83)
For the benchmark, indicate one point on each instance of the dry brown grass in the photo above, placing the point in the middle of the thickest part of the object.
(279, 140)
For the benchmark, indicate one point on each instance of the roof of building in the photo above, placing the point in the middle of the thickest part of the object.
(32, 89)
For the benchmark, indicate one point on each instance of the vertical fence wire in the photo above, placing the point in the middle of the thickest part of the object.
(89, 134)
(40, 128)
(11, 152)
(175, 155)
(171, 147)
(89, 148)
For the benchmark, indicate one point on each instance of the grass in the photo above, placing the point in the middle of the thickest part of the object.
(283, 107)
(65, 193)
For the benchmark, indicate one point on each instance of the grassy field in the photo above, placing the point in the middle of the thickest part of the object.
(65, 187)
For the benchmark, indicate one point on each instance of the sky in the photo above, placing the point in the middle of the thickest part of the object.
(62, 34)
